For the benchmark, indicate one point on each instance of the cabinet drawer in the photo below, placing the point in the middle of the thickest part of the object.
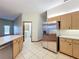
(17, 46)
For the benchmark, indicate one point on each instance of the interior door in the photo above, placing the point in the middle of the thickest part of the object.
(28, 30)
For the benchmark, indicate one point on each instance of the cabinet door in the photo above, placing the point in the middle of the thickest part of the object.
(62, 45)
(20, 43)
(57, 18)
(65, 21)
(76, 48)
(15, 48)
(75, 20)
(66, 46)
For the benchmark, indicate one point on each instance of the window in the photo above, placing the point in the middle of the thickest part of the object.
(16, 30)
(6, 29)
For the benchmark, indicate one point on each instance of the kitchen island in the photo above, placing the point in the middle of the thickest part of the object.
(10, 46)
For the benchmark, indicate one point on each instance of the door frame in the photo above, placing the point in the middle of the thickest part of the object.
(24, 28)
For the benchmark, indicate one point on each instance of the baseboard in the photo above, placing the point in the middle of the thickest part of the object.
(68, 55)
(36, 41)
(50, 50)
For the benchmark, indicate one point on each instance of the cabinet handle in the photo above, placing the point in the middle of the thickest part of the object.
(70, 44)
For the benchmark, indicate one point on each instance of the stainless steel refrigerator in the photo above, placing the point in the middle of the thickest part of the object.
(50, 39)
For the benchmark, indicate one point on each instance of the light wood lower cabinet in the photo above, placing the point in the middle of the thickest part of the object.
(76, 48)
(20, 43)
(17, 46)
(69, 47)
(66, 46)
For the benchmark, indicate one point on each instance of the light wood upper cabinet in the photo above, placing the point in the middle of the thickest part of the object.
(57, 18)
(75, 20)
(65, 21)
(76, 48)
(66, 46)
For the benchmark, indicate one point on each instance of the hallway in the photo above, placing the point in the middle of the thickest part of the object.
(35, 51)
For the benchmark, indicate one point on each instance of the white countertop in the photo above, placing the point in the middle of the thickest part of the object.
(70, 37)
(6, 39)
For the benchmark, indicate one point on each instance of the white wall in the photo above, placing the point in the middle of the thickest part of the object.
(18, 25)
(37, 21)
(70, 6)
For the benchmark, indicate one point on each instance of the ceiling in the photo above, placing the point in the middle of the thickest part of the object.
(28, 6)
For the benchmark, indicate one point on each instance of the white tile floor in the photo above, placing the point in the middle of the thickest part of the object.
(35, 51)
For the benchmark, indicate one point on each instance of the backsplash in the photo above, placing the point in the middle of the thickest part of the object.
(69, 32)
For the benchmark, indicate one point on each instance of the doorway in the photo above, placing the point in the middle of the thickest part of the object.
(27, 31)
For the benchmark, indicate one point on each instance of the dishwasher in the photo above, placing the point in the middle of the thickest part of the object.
(6, 51)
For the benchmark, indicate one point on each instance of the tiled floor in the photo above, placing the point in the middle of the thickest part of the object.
(35, 51)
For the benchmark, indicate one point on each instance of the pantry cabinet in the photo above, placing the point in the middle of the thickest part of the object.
(66, 46)
(65, 21)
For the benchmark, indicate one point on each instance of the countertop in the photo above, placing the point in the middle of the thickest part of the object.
(70, 37)
(7, 39)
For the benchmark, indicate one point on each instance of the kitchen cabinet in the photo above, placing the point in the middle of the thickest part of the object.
(76, 48)
(20, 43)
(17, 46)
(66, 46)
(70, 21)
(75, 20)
(57, 18)
(65, 21)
